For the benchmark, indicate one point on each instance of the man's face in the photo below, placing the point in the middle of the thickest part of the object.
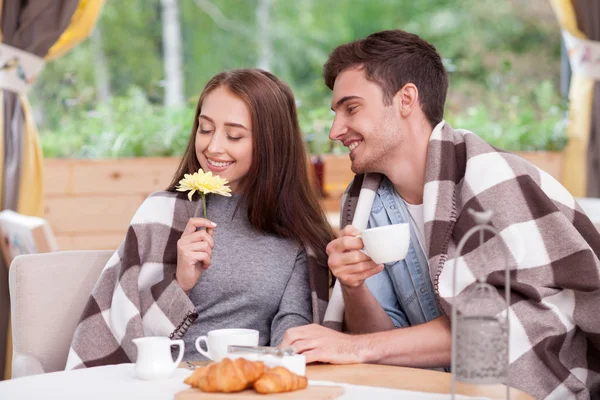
(363, 123)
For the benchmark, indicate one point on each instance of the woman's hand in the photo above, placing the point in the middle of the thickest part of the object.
(194, 250)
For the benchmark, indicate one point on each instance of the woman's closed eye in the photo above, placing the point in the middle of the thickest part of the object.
(204, 131)
(234, 138)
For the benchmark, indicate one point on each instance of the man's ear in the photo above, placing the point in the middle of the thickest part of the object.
(406, 99)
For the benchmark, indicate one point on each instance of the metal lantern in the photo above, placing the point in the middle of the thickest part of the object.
(480, 338)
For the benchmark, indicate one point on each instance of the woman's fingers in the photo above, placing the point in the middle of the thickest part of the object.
(195, 223)
(199, 236)
(202, 258)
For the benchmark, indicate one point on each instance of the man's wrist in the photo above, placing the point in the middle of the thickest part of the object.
(353, 291)
(363, 349)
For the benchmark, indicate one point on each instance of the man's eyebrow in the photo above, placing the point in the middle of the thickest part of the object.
(343, 100)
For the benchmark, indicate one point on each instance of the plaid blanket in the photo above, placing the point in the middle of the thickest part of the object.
(554, 259)
(137, 295)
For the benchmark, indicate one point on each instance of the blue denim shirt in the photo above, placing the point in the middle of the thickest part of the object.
(403, 288)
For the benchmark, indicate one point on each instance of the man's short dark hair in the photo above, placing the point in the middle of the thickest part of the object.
(392, 59)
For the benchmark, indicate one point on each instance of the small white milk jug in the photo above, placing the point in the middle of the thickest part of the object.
(154, 360)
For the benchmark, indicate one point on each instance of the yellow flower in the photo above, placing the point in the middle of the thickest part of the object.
(204, 183)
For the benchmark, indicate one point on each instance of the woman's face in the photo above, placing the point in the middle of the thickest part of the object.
(224, 136)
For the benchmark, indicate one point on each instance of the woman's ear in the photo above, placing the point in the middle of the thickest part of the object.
(406, 99)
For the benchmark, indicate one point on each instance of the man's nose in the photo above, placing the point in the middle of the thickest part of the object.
(338, 129)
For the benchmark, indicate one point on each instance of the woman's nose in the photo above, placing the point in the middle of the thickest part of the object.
(216, 144)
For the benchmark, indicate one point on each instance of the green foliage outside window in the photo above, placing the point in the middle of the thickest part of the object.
(504, 68)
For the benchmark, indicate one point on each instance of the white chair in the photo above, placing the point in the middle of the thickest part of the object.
(48, 293)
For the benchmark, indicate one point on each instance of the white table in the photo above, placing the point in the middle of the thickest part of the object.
(102, 383)
(117, 382)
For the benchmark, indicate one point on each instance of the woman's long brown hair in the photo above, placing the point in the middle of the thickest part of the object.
(280, 198)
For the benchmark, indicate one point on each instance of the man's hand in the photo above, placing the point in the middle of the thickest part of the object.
(347, 263)
(322, 344)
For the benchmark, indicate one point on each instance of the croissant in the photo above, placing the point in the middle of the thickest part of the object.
(227, 376)
(278, 380)
(198, 374)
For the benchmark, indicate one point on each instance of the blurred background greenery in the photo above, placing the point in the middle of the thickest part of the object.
(504, 68)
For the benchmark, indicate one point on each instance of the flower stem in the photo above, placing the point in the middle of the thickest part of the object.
(204, 203)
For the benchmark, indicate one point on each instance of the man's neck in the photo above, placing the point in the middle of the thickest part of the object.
(406, 169)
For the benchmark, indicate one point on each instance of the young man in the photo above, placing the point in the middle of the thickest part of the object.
(389, 91)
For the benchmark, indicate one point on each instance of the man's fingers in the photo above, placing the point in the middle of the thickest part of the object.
(304, 345)
(355, 275)
(349, 230)
(341, 261)
(299, 333)
(358, 268)
(363, 276)
(195, 223)
(313, 356)
(344, 244)
(341, 243)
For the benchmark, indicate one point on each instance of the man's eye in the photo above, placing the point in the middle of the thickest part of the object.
(350, 109)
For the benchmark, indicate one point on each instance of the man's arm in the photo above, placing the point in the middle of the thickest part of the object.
(362, 311)
(423, 346)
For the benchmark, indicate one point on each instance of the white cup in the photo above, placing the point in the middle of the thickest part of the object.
(218, 341)
(386, 244)
(154, 360)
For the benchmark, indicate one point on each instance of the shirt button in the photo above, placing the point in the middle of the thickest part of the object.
(423, 290)
(393, 207)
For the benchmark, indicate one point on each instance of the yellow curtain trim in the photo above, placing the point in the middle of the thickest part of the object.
(83, 21)
(565, 13)
(31, 188)
(574, 169)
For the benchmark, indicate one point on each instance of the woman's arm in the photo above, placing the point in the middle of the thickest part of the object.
(295, 308)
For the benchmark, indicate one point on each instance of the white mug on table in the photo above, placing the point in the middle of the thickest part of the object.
(218, 341)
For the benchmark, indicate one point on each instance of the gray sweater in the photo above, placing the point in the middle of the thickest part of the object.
(255, 281)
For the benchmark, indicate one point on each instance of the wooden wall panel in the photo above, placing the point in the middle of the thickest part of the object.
(91, 213)
(89, 203)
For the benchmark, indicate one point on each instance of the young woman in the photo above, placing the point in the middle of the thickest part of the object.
(257, 261)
